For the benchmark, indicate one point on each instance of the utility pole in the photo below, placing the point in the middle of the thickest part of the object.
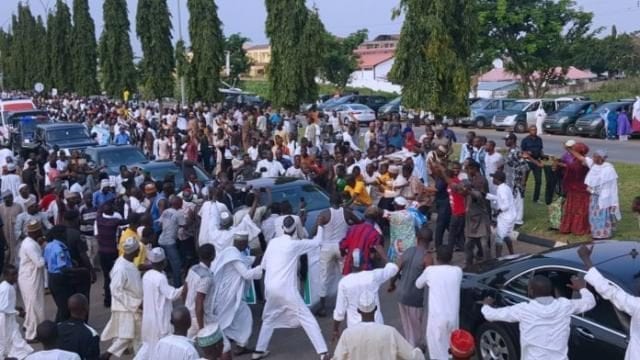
(183, 99)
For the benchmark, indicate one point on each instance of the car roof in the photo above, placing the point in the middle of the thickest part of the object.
(112, 147)
(272, 182)
(620, 259)
(60, 125)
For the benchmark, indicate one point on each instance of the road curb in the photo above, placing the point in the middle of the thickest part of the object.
(535, 240)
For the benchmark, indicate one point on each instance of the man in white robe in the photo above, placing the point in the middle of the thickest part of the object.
(210, 218)
(31, 278)
(12, 344)
(352, 286)
(370, 340)
(619, 298)
(284, 306)
(231, 273)
(11, 181)
(176, 346)
(545, 321)
(504, 203)
(444, 282)
(157, 303)
(126, 299)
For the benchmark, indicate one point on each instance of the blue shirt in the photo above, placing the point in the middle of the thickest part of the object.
(275, 119)
(122, 139)
(100, 198)
(57, 257)
(155, 212)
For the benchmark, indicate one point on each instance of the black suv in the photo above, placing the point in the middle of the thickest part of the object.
(593, 124)
(67, 136)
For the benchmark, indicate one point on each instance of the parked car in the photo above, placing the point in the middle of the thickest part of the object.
(374, 102)
(113, 156)
(159, 170)
(393, 107)
(601, 333)
(564, 120)
(66, 136)
(22, 129)
(522, 113)
(482, 111)
(593, 124)
(360, 112)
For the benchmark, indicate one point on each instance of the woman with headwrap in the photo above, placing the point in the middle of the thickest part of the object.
(575, 217)
(602, 183)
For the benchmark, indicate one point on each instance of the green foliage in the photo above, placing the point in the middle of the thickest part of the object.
(535, 37)
(153, 26)
(24, 51)
(238, 59)
(84, 50)
(627, 88)
(433, 55)
(261, 88)
(61, 66)
(207, 44)
(338, 59)
(296, 36)
(116, 56)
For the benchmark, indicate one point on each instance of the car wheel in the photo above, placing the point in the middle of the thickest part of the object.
(494, 343)
(480, 124)
(602, 134)
(571, 130)
(520, 127)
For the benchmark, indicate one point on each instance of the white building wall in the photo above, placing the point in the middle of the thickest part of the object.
(375, 79)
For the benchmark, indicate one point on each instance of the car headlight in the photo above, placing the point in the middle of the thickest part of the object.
(595, 122)
(563, 119)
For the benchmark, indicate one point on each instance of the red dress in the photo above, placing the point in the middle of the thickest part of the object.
(575, 216)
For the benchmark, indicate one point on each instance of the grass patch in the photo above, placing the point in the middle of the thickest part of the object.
(536, 216)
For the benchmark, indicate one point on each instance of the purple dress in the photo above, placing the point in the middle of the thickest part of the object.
(624, 128)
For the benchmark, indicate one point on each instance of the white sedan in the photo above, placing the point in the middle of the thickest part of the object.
(351, 112)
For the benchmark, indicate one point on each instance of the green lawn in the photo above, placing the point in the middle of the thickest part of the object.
(536, 215)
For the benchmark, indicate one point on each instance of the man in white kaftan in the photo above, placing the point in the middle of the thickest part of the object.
(210, 219)
(544, 322)
(126, 298)
(31, 279)
(176, 346)
(231, 273)
(504, 203)
(619, 298)
(352, 286)
(157, 303)
(12, 344)
(444, 282)
(370, 340)
(284, 306)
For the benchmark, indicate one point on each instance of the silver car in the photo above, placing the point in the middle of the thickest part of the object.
(362, 113)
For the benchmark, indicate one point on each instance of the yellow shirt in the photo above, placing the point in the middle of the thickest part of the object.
(385, 181)
(359, 193)
(142, 257)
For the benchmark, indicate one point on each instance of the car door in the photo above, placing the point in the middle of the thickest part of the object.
(600, 333)
(531, 112)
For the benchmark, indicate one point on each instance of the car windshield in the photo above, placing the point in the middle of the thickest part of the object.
(314, 197)
(67, 134)
(519, 105)
(114, 158)
(396, 101)
(358, 107)
(159, 173)
(480, 103)
(573, 107)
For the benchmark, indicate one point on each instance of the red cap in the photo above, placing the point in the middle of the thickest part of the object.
(462, 343)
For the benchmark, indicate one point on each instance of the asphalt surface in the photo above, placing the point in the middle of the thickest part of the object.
(554, 144)
(285, 343)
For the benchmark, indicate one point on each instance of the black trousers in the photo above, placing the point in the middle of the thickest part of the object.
(106, 264)
(187, 251)
(443, 209)
(537, 177)
(553, 180)
(456, 232)
(61, 290)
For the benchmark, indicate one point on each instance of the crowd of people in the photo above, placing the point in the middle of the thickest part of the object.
(219, 249)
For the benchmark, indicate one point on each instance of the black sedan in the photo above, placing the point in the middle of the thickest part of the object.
(179, 171)
(601, 333)
(563, 121)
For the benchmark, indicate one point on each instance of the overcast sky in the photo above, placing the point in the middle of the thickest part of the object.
(341, 17)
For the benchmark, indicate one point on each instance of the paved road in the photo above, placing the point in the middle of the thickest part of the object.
(285, 344)
(554, 144)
